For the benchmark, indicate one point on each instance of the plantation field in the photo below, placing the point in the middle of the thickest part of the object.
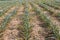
(29, 19)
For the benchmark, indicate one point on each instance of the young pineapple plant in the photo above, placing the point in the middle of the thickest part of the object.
(26, 23)
(33, 13)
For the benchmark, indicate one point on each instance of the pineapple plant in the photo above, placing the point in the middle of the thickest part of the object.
(29, 20)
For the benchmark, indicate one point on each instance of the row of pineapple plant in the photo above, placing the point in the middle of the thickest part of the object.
(6, 20)
(5, 2)
(26, 24)
(47, 20)
(52, 5)
(47, 7)
(6, 7)
(26, 20)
